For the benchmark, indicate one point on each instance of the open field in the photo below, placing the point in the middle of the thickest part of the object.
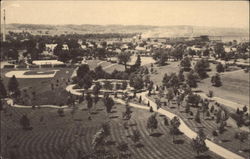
(50, 132)
(235, 84)
(32, 74)
(42, 86)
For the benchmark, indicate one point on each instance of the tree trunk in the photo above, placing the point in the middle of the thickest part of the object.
(125, 64)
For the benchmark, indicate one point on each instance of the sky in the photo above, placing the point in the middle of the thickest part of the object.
(159, 13)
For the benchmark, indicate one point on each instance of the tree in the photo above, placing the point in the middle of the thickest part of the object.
(124, 85)
(109, 103)
(136, 136)
(13, 86)
(96, 91)
(100, 73)
(89, 101)
(82, 70)
(166, 121)
(64, 56)
(198, 144)
(197, 117)
(215, 80)
(170, 95)
(174, 127)
(124, 58)
(161, 56)
(245, 109)
(13, 54)
(86, 82)
(219, 50)
(219, 68)
(201, 68)
(140, 99)
(241, 136)
(210, 94)
(152, 123)
(193, 99)
(191, 79)
(3, 92)
(185, 63)
(158, 103)
(138, 61)
(127, 114)
(25, 122)
(136, 82)
(106, 129)
(173, 81)
(123, 148)
(181, 76)
(98, 140)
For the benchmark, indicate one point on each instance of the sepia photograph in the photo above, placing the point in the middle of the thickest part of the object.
(124, 79)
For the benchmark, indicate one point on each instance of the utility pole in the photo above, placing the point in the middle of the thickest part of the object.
(4, 26)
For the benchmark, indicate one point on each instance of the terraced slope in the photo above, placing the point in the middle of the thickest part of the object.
(51, 132)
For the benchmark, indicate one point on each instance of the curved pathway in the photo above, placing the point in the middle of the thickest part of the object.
(183, 127)
(225, 102)
(11, 103)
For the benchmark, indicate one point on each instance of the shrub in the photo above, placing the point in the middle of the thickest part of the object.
(8, 66)
(191, 113)
(214, 133)
(210, 93)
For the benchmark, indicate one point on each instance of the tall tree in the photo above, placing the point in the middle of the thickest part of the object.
(215, 80)
(152, 123)
(124, 58)
(109, 103)
(219, 67)
(219, 50)
(13, 85)
(186, 63)
(82, 70)
(25, 122)
(3, 92)
(174, 127)
(136, 81)
(198, 144)
(138, 61)
(201, 68)
(191, 79)
(136, 136)
(89, 101)
(86, 82)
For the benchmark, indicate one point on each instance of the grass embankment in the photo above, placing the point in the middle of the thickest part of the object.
(51, 132)
(226, 139)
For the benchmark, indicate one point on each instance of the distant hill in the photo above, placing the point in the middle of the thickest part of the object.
(147, 31)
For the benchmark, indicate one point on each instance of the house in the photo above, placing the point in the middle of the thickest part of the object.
(50, 47)
(65, 47)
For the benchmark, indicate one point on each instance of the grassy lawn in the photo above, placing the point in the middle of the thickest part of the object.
(107, 66)
(171, 67)
(39, 72)
(50, 132)
(42, 87)
(226, 139)
(235, 84)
